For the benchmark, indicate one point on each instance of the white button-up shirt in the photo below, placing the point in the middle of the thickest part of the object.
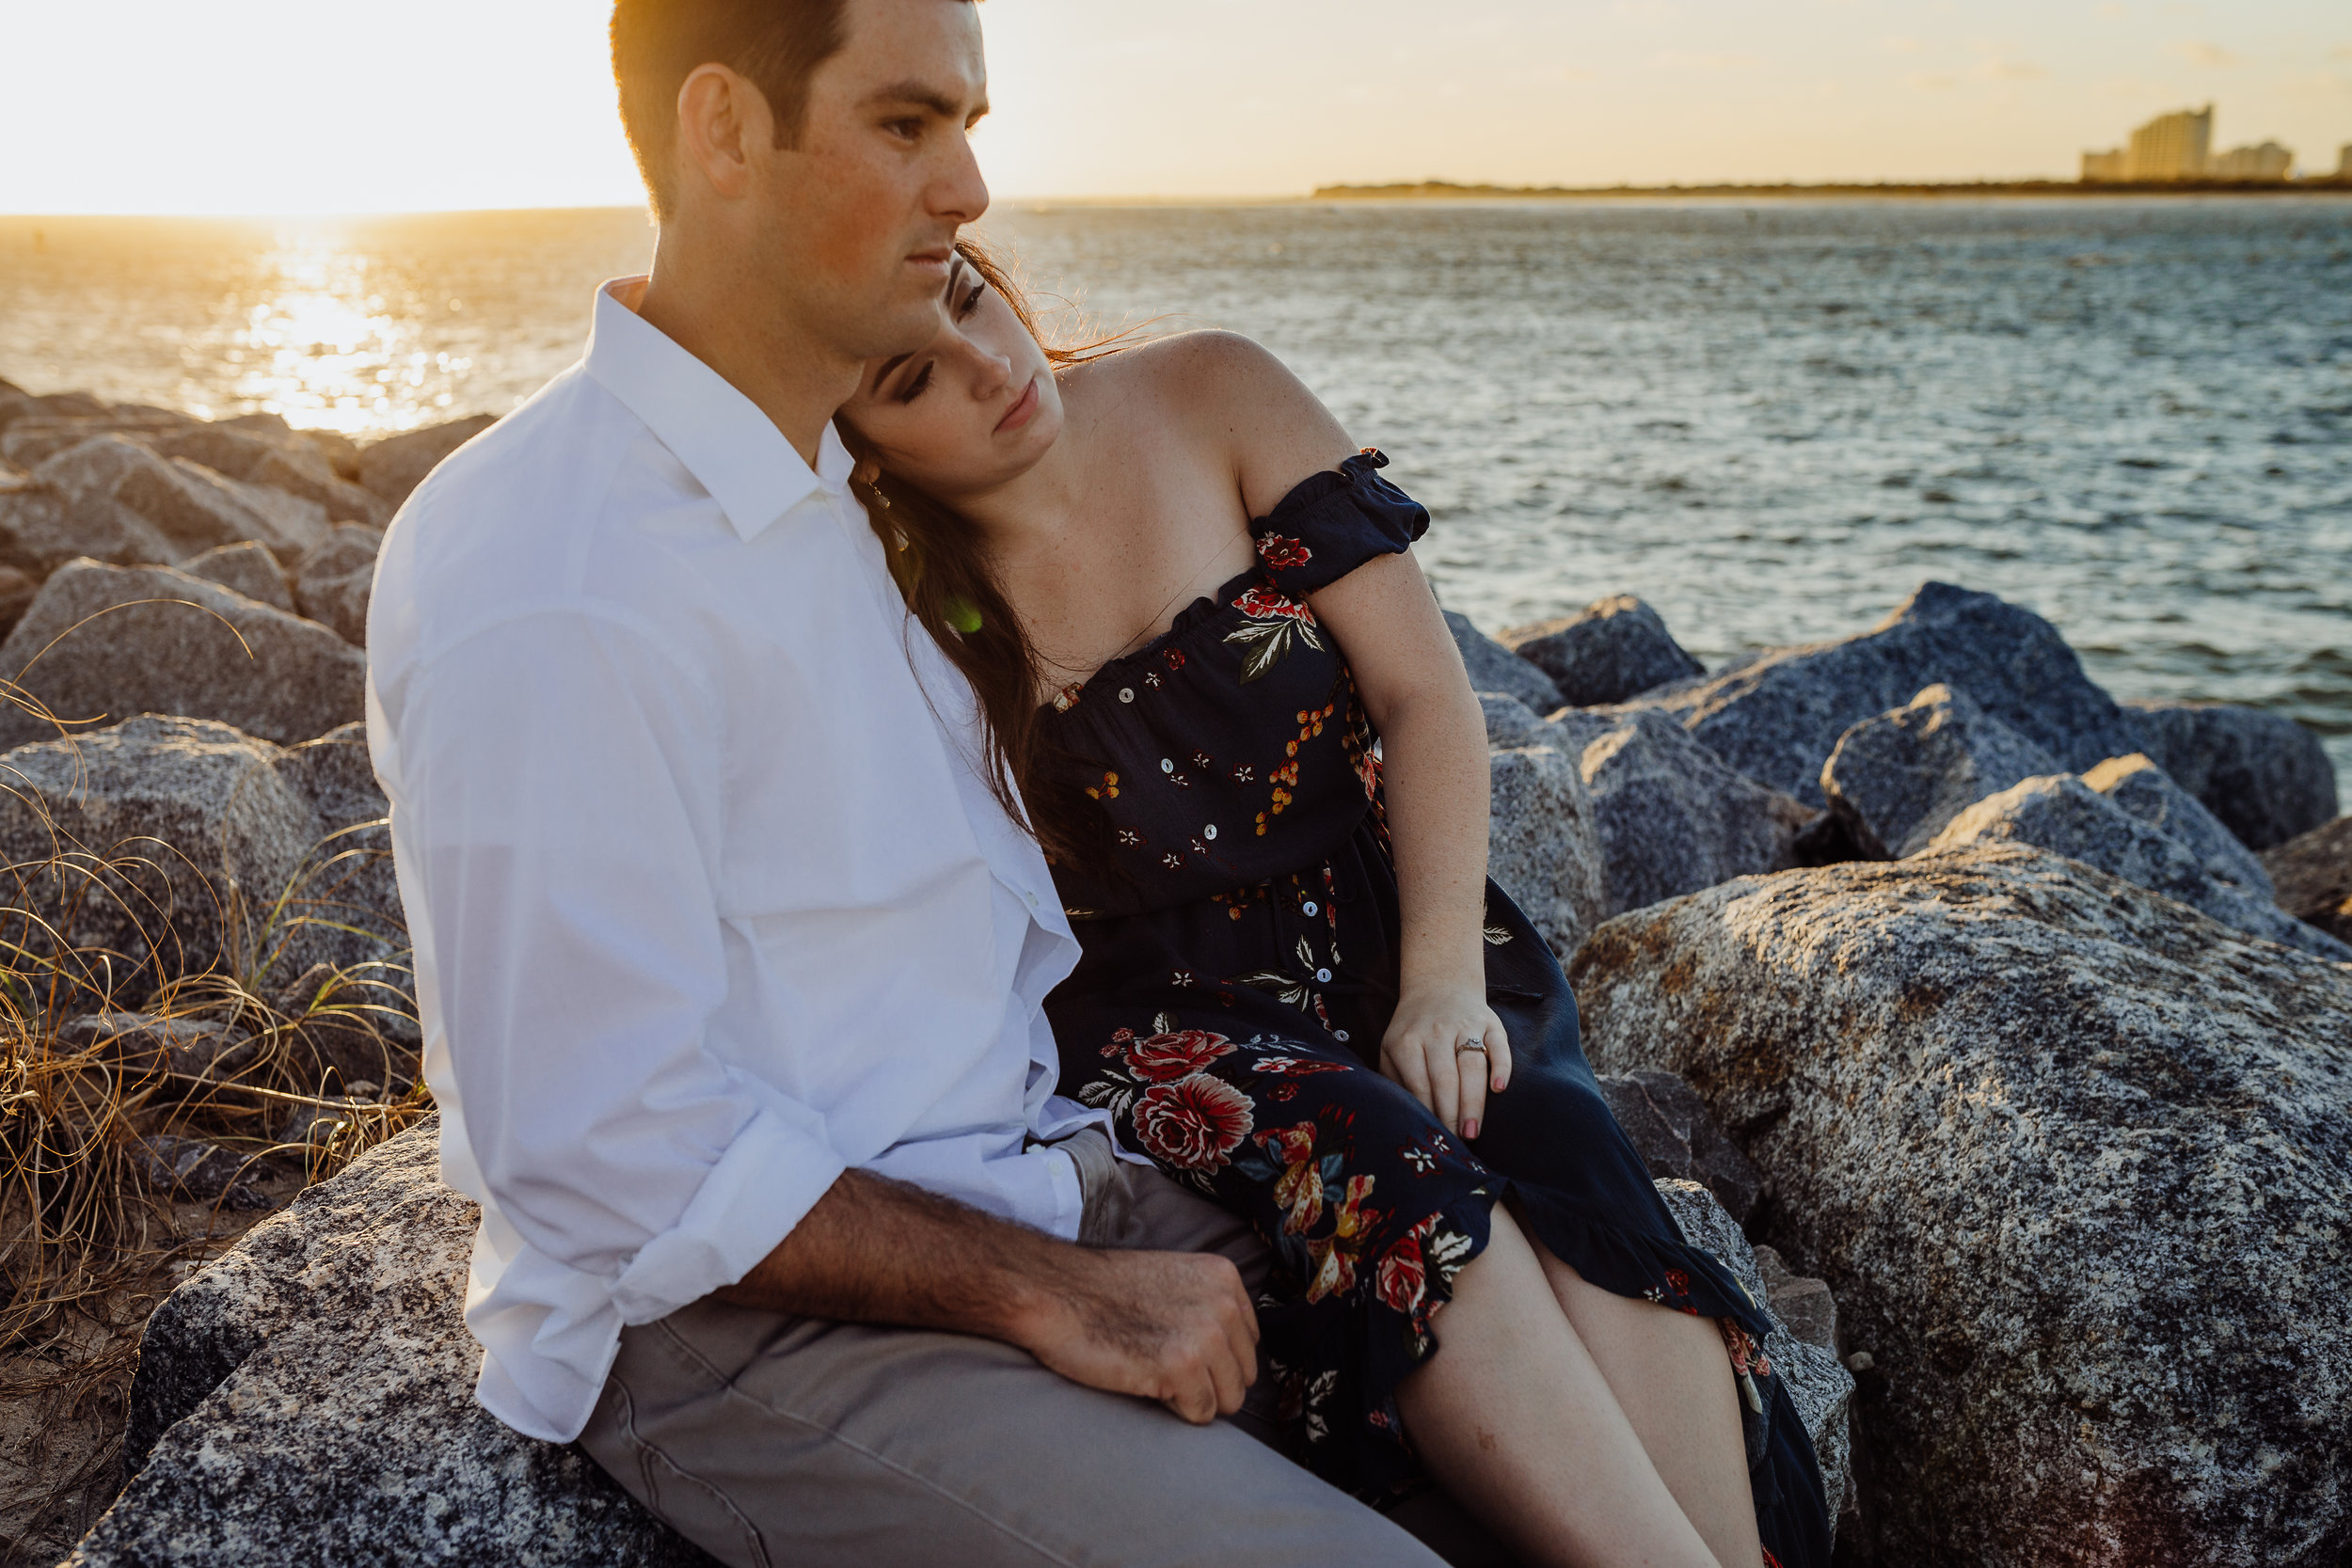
(710, 901)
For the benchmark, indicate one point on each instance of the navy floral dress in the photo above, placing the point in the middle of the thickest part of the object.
(1240, 968)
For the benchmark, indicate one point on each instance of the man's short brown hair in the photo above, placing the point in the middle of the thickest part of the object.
(776, 44)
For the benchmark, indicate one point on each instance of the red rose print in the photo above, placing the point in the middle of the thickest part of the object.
(1164, 1058)
(1403, 1280)
(1193, 1123)
(1280, 553)
(1261, 604)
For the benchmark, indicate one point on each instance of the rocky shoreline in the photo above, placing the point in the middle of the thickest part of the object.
(1998, 1033)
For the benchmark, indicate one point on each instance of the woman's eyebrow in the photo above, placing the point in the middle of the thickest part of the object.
(955, 271)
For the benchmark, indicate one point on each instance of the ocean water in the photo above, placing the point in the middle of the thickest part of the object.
(1771, 419)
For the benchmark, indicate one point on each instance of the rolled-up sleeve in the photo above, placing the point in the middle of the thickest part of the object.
(563, 777)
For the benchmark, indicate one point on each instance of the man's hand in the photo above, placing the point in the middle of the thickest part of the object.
(1173, 1326)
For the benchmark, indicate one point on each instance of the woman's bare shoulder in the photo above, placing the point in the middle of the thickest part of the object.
(1232, 394)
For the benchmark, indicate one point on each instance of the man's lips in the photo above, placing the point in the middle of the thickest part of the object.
(935, 260)
(1023, 407)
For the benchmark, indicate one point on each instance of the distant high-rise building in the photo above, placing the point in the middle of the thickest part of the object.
(2170, 147)
(2267, 161)
(2100, 168)
(2343, 161)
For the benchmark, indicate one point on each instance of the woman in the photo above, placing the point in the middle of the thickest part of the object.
(1189, 607)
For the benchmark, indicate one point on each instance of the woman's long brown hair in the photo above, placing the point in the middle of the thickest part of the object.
(936, 556)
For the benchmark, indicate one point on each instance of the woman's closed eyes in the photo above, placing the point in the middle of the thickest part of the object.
(922, 378)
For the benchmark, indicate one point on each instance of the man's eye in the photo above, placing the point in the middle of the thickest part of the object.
(910, 128)
(914, 388)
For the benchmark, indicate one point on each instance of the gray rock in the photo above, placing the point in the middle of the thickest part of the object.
(2150, 794)
(347, 1027)
(196, 1050)
(2075, 1159)
(2266, 777)
(1894, 780)
(286, 462)
(191, 1170)
(190, 505)
(1674, 817)
(41, 529)
(1542, 846)
(1818, 1383)
(308, 1397)
(396, 464)
(1511, 722)
(167, 642)
(2313, 873)
(17, 590)
(1776, 715)
(2067, 816)
(340, 451)
(333, 582)
(1807, 1306)
(17, 404)
(346, 915)
(32, 441)
(1618, 648)
(248, 569)
(1495, 668)
(1678, 1141)
(161, 840)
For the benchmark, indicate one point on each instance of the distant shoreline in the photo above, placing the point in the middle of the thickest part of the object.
(1443, 190)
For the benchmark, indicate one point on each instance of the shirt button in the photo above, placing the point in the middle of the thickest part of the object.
(1029, 898)
(1324, 976)
(1166, 765)
(1209, 832)
(1127, 693)
(1307, 908)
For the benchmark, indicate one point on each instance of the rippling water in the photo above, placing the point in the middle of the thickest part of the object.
(1771, 421)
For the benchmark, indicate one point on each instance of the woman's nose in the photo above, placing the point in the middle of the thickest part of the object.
(990, 372)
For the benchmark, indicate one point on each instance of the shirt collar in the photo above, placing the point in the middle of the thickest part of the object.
(732, 449)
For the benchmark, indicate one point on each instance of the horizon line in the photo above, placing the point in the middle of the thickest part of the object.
(1352, 191)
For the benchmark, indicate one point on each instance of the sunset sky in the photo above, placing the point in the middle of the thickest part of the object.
(328, 106)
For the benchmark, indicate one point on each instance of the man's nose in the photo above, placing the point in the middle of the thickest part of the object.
(959, 193)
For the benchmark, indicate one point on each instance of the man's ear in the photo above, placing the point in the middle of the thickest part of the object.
(723, 126)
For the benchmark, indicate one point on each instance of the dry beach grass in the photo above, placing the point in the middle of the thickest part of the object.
(148, 1119)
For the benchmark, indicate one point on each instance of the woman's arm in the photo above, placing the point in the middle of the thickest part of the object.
(1433, 748)
(1241, 398)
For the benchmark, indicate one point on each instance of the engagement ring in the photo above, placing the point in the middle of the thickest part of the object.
(1460, 1047)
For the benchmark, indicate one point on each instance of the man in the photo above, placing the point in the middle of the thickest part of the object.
(730, 965)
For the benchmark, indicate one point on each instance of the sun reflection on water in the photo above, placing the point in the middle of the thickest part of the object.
(325, 348)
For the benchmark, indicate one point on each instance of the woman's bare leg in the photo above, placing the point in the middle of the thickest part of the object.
(1673, 1381)
(1514, 1419)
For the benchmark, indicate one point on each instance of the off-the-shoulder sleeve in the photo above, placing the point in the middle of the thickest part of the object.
(1333, 522)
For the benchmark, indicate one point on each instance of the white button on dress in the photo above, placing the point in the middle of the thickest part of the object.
(1323, 974)
(1307, 908)
(1209, 832)
(1127, 693)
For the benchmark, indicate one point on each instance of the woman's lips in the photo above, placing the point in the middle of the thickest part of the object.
(1023, 407)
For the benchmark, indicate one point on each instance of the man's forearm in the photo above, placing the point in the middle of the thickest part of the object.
(1173, 1326)
(878, 1251)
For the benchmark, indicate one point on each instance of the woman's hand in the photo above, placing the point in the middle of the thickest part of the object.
(1419, 1052)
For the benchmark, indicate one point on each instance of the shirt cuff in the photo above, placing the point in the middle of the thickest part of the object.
(770, 1176)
